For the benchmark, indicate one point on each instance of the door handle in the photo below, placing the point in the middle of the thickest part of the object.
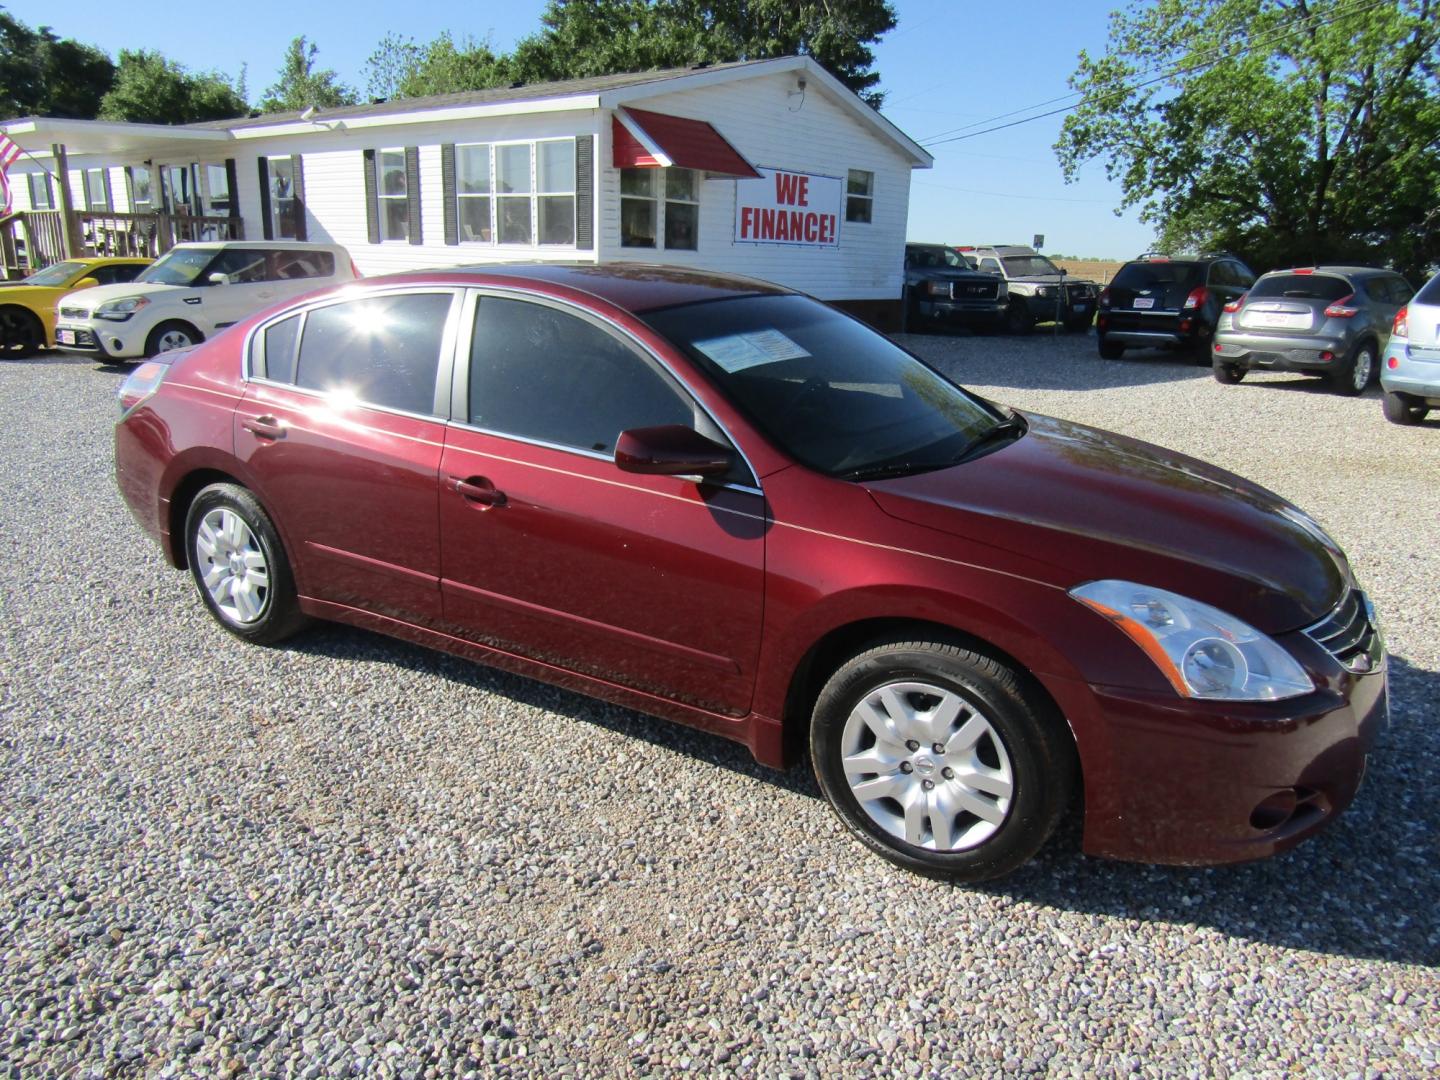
(264, 427)
(477, 489)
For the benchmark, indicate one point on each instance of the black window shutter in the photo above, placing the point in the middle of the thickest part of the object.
(234, 185)
(109, 195)
(585, 193)
(412, 192)
(297, 190)
(447, 189)
(372, 199)
(267, 226)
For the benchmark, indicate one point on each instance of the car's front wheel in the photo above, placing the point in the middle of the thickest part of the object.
(21, 334)
(939, 759)
(239, 565)
(1018, 318)
(169, 336)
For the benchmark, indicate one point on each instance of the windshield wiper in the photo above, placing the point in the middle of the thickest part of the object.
(888, 469)
(1012, 427)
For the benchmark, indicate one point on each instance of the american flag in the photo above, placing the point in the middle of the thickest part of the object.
(9, 151)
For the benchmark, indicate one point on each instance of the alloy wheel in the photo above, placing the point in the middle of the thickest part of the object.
(927, 767)
(232, 565)
(173, 339)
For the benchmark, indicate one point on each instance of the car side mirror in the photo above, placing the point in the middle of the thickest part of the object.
(86, 283)
(670, 450)
(219, 279)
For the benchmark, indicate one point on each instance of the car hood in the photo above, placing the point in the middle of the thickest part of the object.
(93, 298)
(1094, 505)
(22, 294)
(1052, 279)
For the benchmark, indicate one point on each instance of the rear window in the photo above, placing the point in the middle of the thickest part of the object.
(1149, 275)
(1430, 294)
(1302, 287)
(285, 265)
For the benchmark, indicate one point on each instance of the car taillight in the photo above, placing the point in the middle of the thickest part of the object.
(1105, 297)
(140, 384)
(1341, 310)
(1402, 322)
(1236, 304)
(1196, 298)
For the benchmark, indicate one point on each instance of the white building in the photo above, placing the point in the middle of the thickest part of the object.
(770, 168)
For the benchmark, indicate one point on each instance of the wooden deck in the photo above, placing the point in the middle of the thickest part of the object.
(31, 240)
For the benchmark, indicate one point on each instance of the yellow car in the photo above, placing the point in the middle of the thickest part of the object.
(27, 306)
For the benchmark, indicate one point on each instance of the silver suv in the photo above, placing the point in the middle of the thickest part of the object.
(1039, 290)
(1329, 321)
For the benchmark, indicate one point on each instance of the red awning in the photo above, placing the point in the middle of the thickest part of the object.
(654, 140)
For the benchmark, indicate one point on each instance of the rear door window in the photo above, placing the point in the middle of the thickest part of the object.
(276, 359)
(1430, 294)
(282, 265)
(381, 350)
(1301, 287)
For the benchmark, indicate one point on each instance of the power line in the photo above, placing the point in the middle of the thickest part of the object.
(1356, 7)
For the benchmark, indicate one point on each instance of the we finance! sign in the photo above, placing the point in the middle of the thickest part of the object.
(797, 209)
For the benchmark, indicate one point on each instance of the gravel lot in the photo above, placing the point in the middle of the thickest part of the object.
(354, 856)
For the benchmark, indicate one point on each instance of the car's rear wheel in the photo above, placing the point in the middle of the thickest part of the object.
(1111, 350)
(1403, 409)
(240, 566)
(1227, 373)
(1355, 374)
(938, 759)
(169, 336)
(21, 334)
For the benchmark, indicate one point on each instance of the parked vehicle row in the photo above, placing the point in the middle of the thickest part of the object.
(27, 306)
(725, 503)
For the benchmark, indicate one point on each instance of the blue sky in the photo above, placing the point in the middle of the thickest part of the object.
(948, 64)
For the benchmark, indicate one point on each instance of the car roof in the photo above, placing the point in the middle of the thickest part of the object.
(1348, 271)
(108, 260)
(633, 287)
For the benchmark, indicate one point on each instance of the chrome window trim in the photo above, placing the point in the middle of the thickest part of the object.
(445, 364)
(321, 395)
(461, 399)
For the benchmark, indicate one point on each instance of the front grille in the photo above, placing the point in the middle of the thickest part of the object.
(983, 291)
(74, 313)
(1348, 634)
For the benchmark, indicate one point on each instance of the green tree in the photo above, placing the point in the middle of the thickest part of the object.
(300, 85)
(44, 75)
(153, 90)
(582, 38)
(1290, 131)
(399, 68)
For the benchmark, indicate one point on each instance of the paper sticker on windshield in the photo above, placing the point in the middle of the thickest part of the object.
(736, 352)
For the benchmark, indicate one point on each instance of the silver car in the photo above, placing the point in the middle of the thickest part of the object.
(1329, 321)
(1411, 375)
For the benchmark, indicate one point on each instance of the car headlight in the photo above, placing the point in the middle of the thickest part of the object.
(938, 288)
(120, 310)
(1202, 651)
(1019, 288)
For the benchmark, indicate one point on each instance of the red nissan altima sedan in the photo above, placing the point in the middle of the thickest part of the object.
(721, 502)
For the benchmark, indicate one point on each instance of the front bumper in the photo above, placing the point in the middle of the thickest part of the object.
(113, 341)
(1257, 351)
(1188, 782)
(963, 311)
(1049, 309)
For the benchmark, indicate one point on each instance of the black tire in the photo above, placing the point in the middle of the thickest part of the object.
(1026, 737)
(1110, 350)
(1358, 371)
(277, 612)
(21, 334)
(1018, 319)
(1229, 374)
(164, 337)
(1403, 409)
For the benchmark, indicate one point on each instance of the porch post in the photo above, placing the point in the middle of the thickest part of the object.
(70, 224)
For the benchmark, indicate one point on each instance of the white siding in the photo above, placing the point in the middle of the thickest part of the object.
(820, 137)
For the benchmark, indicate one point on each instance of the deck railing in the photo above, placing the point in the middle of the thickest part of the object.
(31, 240)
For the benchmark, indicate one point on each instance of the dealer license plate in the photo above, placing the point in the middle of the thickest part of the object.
(65, 337)
(1290, 320)
(1144, 301)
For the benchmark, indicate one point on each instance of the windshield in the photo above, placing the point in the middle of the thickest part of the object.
(59, 274)
(179, 266)
(1029, 266)
(828, 390)
(935, 257)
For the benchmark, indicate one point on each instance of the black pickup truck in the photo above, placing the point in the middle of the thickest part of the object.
(941, 289)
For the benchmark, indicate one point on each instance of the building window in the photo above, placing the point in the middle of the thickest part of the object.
(644, 215)
(859, 196)
(513, 187)
(42, 195)
(393, 194)
(96, 197)
(472, 193)
(555, 191)
(217, 191)
(142, 190)
(284, 208)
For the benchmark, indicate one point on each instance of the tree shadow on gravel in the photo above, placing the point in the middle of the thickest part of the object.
(1368, 886)
(1365, 887)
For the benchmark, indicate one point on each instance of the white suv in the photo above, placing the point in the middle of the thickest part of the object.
(192, 292)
